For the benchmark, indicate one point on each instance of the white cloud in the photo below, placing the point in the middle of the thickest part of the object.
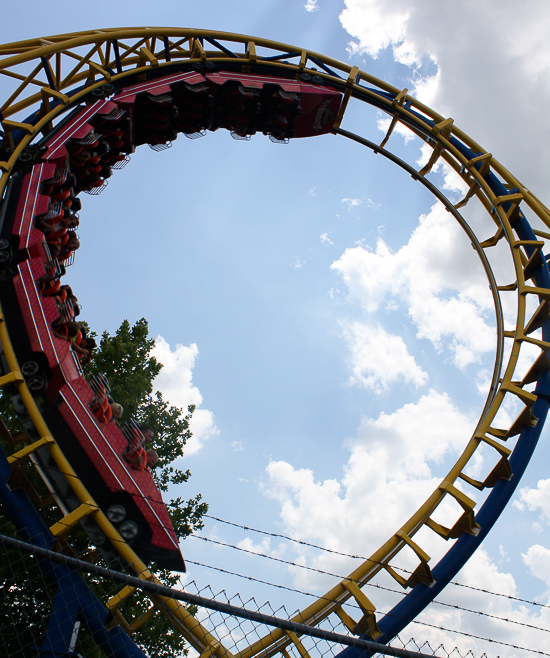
(503, 553)
(175, 383)
(351, 203)
(378, 358)
(378, 26)
(263, 547)
(390, 471)
(425, 275)
(466, 63)
(325, 239)
(311, 5)
(383, 125)
(501, 620)
(392, 468)
(451, 180)
(536, 500)
(483, 382)
(527, 357)
(426, 87)
(537, 559)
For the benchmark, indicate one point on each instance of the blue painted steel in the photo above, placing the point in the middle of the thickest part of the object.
(61, 624)
(73, 597)
(420, 596)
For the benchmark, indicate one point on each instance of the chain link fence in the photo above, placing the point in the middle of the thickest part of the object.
(42, 612)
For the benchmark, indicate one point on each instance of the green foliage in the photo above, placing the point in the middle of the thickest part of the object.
(25, 598)
(8, 415)
(127, 361)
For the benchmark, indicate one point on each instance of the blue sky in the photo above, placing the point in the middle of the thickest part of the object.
(323, 314)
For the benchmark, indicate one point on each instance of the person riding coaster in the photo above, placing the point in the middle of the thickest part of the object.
(135, 453)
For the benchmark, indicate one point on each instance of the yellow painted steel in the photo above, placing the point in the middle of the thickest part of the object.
(296, 641)
(25, 452)
(63, 527)
(50, 69)
(173, 610)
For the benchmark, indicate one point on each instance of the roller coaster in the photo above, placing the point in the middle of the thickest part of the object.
(80, 105)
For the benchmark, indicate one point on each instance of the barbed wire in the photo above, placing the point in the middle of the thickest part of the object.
(380, 587)
(211, 604)
(321, 548)
(315, 546)
(370, 584)
(323, 572)
(351, 605)
(360, 557)
(339, 576)
(389, 614)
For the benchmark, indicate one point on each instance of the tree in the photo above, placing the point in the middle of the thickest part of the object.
(126, 359)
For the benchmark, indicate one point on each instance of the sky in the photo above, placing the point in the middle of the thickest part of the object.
(328, 319)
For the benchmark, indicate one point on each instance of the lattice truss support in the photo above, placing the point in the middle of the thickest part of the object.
(48, 77)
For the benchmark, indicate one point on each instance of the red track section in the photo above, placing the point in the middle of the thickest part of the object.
(103, 444)
(318, 105)
(79, 156)
(75, 129)
(127, 98)
(31, 204)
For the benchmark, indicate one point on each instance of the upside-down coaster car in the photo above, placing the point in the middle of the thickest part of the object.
(94, 138)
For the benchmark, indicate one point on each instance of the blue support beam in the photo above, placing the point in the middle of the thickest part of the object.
(74, 599)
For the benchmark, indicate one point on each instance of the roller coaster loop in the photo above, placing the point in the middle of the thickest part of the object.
(78, 106)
